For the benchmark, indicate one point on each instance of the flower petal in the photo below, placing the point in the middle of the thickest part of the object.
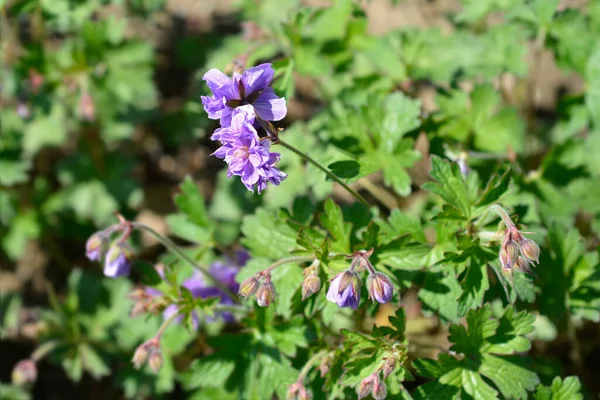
(269, 106)
(257, 78)
(215, 79)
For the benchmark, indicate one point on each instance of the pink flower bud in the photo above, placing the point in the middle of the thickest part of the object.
(145, 351)
(389, 366)
(310, 285)
(87, 110)
(530, 250)
(365, 387)
(523, 265)
(249, 287)
(380, 287)
(379, 390)
(509, 252)
(24, 373)
(297, 391)
(155, 361)
(265, 295)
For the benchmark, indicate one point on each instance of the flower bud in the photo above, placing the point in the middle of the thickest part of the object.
(155, 361)
(24, 373)
(349, 296)
(297, 391)
(379, 390)
(530, 250)
(94, 246)
(389, 366)
(380, 287)
(249, 287)
(117, 262)
(87, 110)
(523, 265)
(509, 252)
(145, 351)
(365, 387)
(265, 295)
(310, 285)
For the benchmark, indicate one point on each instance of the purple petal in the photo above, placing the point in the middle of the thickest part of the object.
(214, 107)
(215, 79)
(257, 78)
(269, 106)
(115, 267)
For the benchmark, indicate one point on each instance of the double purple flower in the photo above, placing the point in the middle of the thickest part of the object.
(238, 102)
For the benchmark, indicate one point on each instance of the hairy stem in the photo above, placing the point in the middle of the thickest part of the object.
(175, 249)
(311, 361)
(165, 324)
(43, 350)
(327, 172)
(501, 212)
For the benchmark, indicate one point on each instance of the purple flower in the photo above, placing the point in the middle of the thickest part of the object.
(249, 88)
(250, 159)
(117, 262)
(200, 287)
(93, 246)
(380, 287)
(241, 122)
(345, 290)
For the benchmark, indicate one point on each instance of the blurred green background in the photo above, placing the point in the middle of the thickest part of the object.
(100, 112)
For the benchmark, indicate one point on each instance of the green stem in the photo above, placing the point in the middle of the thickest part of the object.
(43, 350)
(175, 249)
(501, 212)
(327, 172)
(309, 364)
(165, 324)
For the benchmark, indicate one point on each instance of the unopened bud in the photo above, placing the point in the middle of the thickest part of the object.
(389, 366)
(297, 391)
(379, 390)
(365, 387)
(94, 246)
(523, 265)
(24, 373)
(530, 250)
(155, 361)
(325, 365)
(509, 252)
(348, 278)
(265, 295)
(86, 107)
(310, 285)
(380, 287)
(145, 351)
(249, 287)
(118, 260)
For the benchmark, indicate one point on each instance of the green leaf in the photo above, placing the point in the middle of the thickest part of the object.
(149, 275)
(13, 171)
(401, 116)
(567, 389)
(266, 235)
(592, 76)
(330, 23)
(495, 188)
(191, 202)
(208, 372)
(45, 131)
(450, 185)
(333, 221)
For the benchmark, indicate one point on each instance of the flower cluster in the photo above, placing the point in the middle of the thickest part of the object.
(345, 286)
(374, 385)
(517, 251)
(242, 104)
(116, 255)
(265, 290)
